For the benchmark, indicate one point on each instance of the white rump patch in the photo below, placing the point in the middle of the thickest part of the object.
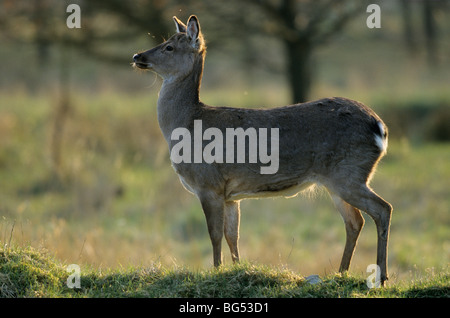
(380, 140)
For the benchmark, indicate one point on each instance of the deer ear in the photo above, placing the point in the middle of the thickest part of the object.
(193, 32)
(181, 27)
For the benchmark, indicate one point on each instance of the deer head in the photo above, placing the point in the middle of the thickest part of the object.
(176, 57)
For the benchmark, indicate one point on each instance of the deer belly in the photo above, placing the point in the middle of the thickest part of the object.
(287, 192)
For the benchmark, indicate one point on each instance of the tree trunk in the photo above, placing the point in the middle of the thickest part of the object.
(299, 69)
(430, 30)
(60, 115)
(408, 27)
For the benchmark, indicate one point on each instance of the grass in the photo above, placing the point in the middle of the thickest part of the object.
(120, 204)
(27, 272)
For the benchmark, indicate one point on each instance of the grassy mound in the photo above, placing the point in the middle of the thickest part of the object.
(26, 272)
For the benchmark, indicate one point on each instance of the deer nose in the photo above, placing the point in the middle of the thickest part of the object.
(136, 56)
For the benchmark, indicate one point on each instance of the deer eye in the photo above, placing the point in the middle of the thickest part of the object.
(169, 48)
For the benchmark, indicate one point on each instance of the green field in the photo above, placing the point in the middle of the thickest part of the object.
(32, 273)
(116, 202)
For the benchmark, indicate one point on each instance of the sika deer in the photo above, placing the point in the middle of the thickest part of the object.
(333, 142)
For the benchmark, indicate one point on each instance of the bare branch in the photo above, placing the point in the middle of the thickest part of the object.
(339, 21)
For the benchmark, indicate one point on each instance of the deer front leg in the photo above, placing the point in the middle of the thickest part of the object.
(213, 207)
(232, 218)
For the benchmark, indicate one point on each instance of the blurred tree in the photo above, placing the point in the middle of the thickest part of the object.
(36, 24)
(430, 30)
(300, 25)
(125, 20)
(427, 16)
(408, 29)
(308, 24)
(103, 22)
(43, 23)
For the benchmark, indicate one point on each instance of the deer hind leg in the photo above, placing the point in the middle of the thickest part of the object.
(354, 223)
(213, 206)
(363, 198)
(232, 219)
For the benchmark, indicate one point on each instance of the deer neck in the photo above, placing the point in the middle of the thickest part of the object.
(179, 100)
